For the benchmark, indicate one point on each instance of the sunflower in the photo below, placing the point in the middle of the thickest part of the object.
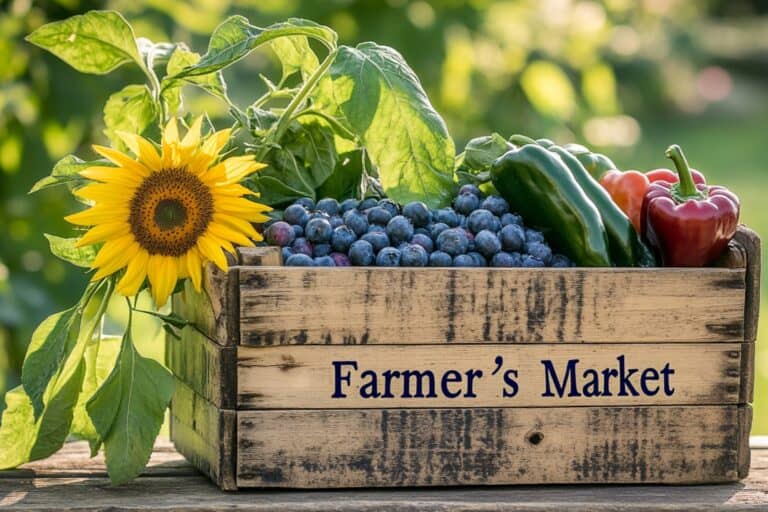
(163, 215)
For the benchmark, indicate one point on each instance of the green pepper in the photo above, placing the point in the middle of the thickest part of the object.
(626, 247)
(539, 186)
(595, 163)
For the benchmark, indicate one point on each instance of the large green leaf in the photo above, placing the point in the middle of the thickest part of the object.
(130, 109)
(311, 141)
(295, 54)
(95, 42)
(17, 429)
(181, 58)
(235, 38)
(128, 410)
(380, 99)
(346, 177)
(273, 191)
(65, 249)
(66, 171)
(100, 357)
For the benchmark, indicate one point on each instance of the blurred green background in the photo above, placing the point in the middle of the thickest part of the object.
(628, 77)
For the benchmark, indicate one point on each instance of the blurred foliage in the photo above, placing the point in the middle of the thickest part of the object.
(588, 71)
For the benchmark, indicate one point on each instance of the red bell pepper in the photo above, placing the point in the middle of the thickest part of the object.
(628, 188)
(689, 224)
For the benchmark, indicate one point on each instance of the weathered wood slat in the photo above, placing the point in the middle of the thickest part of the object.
(260, 256)
(213, 309)
(751, 243)
(204, 434)
(361, 448)
(297, 377)
(208, 368)
(292, 305)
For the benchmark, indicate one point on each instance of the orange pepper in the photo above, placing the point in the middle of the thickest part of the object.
(627, 190)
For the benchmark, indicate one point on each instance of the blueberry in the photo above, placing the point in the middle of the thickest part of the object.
(390, 206)
(466, 203)
(530, 262)
(325, 261)
(306, 202)
(388, 257)
(375, 228)
(318, 215)
(341, 260)
(328, 205)
(399, 229)
(318, 230)
(512, 237)
(482, 219)
(417, 212)
(496, 205)
(302, 246)
(287, 253)
(413, 255)
(379, 215)
(336, 221)
(357, 222)
(437, 228)
(539, 251)
(348, 204)
(454, 241)
(269, 223)
(511, 218)
(342, 238)
(424, 241)
(377, 239)
(423, 231)
(300, 260)
(366, 203)
(505, 259)
(487, 243)
(440, 259)
(462, 221)
(447, 216)
(469, 189)
(280, 233)
(478, 258)
(361, 253)
(296, 214)
(298, 231)
(560, 261)
(531, 235)
(321, 250)
(463, 260)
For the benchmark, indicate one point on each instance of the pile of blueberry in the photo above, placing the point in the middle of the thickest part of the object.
(475, 232)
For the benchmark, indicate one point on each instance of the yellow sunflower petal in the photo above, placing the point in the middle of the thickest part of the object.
(122, 160)
(98, 214)
(106, 192)
(223, 232)
(237, 223)
(103, 232)
(163, 274)
(213, 144)
(194, 268)
(238, 167)
(114, 255)
(114, 175)
(192, 137)
(142, 148)
(211, 251)
(134, 276)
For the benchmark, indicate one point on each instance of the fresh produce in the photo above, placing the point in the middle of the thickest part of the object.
(415, 236)
(540, 186)
(596, 164)
(627, 189)
(689, 224)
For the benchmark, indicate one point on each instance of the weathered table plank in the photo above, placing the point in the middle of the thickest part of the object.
(71, 481)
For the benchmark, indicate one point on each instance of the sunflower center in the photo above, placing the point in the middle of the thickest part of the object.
(170, 210)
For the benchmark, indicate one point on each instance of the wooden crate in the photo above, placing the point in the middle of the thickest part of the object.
(262, 397)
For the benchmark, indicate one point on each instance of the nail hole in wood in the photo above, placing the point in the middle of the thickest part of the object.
(535, 438)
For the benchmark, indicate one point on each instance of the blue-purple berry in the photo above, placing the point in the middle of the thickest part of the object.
(470, 189)
(306, 202)
(487, 243)
(341, 260)
(296, 214)
(348, 204)
(424, 241)
(532, 262)
(379, 215)
(463, 260)
(368, 202)
(512, 237)
(447, 216)
(496, 205)
(560, 261)
(280, 233)
(440, 259)
(531, 235)
(506, 259)
(318, 230)
(325, 261)
(357, 221)
(418, 213)
(321, 250)
(466, 203)
(413, 255)
(390, 206)
(454, 241)
(478, 258)
(399, 229)
(361, 254)
(302, 246)
(328, 205)
(300, 260)
(482, 219)
(388, 257)
(377, 239)
(539, 251)
(342, 238)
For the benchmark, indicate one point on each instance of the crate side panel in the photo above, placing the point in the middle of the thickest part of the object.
(425, 447)
(204, 434)
(214, 308)
(378, 376)
(292, 305)
(750, 241)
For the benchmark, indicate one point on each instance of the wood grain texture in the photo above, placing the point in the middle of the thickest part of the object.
(204, 434)
(292, 305)
(745, 425)
(260, 256)
(209, 369)
(747, 385)
(751, 243)
(360, 448)
(297, 377)
(213, 309)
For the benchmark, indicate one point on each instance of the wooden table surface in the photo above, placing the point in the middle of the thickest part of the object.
(70, 480)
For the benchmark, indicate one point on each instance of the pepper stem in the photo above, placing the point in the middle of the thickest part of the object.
(686, 187)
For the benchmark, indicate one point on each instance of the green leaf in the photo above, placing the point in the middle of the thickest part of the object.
(100, 357)
(182, 57)
(480, 152)
(295, 54)
(345, 180)
(381, 100)
(66, 171)
(46, 353)
(128, 410)
(95, 42)
(311, 141)
(273, 191)
(236, 37)
(132, 110)
(17, 429)
(65, 249)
